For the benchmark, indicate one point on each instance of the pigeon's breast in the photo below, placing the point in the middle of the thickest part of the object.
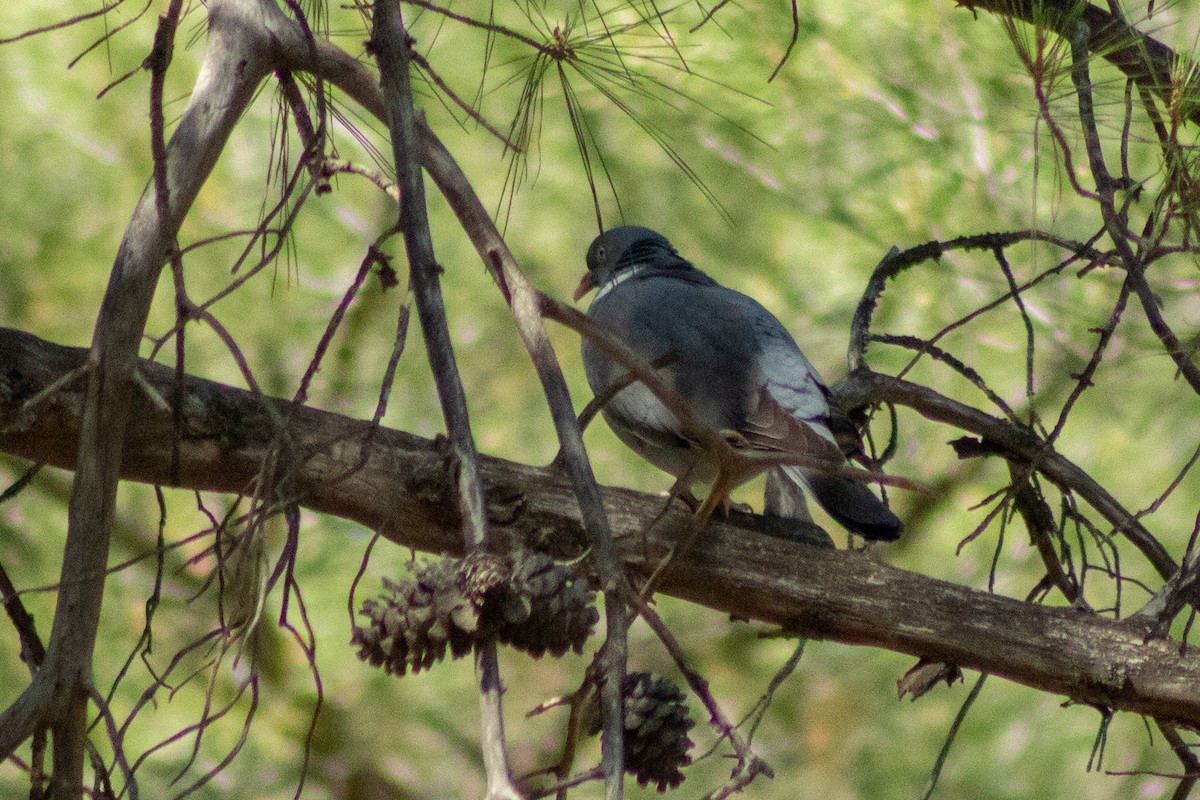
(703, 344)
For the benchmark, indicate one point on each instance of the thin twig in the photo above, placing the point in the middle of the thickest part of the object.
(1187, 759)
(758, 713)
(392, 49)
(1032, 507)
(791, 43)
(863, 387)
(65, 23)
(896, 262)
(467, 108)
(1083, 380)
(1015, 292)
(925, 347)
(748, 762)
(33, 652)
(944, 753)
(1114, 222)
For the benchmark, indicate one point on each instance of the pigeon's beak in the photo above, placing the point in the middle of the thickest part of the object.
(585, 285)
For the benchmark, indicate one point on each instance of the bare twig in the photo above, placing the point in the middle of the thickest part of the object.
(756, 714)
(791, 42)
(1039, 521)
(942, 356)
(33, 652)
(1114, 221)
(1015, 292)
(1083, 380)
(65, 23)
(1187, 759)
(863, 387)
(936, 773)
(896, 262)
(748, 763)
(467, 108)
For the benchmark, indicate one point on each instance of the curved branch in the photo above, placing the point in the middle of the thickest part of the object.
(403, 492)
(864, 387)
(896, 262)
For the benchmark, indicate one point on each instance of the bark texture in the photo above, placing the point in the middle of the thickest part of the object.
(748, 566)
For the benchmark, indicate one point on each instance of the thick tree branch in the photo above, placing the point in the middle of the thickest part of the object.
(402, 491)
(1143, 58)
(235, 62)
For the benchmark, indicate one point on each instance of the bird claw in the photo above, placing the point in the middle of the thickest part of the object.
(724, 507)
(734, 438)
(688, 499)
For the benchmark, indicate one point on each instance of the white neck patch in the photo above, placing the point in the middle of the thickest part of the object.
(620, 277)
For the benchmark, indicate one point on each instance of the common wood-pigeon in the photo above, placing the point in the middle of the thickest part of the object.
(734, 363)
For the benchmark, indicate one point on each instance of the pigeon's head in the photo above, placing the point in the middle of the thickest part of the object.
(618, 248)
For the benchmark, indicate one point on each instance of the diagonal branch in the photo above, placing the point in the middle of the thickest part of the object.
(1114, 221)
(524, 301)
(389, 41)
(864, 386)
(237, 51)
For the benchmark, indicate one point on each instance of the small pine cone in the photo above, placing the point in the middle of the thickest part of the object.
(411, 624)
(656, 729)
(542, 607)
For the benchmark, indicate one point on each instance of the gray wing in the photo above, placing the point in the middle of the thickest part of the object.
(791, 380)
(723, 351)
(793, 383)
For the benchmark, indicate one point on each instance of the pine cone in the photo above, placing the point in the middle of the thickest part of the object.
(656, 729)
(542, 607)
(529, 602)
(411, 624)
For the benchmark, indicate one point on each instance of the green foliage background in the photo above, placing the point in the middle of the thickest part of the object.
(891, 124)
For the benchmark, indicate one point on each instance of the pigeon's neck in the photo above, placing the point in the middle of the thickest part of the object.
(659, 267)
(620, 277)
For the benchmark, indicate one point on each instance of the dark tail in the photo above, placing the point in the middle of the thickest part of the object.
(851, 504)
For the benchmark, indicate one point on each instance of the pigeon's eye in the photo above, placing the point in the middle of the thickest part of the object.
(602, 254)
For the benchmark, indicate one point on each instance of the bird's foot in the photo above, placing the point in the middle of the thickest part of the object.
(734, 439)
(681, 490)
